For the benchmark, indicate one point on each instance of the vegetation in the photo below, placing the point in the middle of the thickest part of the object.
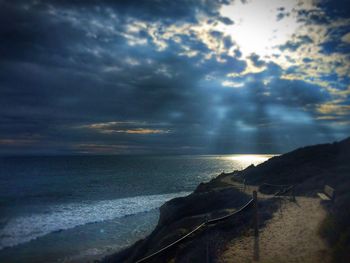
(336, 230)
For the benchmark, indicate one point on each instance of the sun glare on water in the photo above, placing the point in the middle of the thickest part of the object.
(248, 159)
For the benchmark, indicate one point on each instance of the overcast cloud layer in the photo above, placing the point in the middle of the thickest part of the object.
(185, 76)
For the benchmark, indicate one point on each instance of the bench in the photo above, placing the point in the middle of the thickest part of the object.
(328, 193)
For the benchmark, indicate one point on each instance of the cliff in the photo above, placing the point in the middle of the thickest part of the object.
(310, 168)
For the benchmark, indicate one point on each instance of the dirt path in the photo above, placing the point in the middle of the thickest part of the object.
(248, 189)
(290, 236)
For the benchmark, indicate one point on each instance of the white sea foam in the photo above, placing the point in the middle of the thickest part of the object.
(25, 228)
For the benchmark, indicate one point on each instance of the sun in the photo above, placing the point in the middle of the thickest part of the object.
(260, 25)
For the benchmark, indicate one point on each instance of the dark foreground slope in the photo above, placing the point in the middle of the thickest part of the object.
(310, 168)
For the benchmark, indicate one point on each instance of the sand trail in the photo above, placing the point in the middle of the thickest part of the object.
(290, 236)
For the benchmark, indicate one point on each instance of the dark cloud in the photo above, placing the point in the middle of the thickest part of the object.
(335, 42)
(282, 14)
(340, 8)
(256, 60)
(226, 20)
(293, 45)
(69, 65)
(144, 9)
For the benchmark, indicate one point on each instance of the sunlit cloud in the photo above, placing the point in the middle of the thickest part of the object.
(127, 127)
(100, 148)
(131, 61)
(232, 84)
(142, 131)
(346, 38)
(17, 142)
(335, 108)
(250, 69)
(256, 31)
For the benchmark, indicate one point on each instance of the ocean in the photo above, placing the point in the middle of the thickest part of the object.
(74, 208)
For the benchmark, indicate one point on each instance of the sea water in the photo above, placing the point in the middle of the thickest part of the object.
(75, 208)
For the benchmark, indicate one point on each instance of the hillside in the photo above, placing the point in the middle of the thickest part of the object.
(310, 168)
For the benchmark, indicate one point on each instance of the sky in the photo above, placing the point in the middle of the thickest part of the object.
(172, 77)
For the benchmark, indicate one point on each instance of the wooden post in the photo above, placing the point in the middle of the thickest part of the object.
(256, 218)
(207, 240)
(293, 194)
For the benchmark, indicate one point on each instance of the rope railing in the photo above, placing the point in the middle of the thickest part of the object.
(276, 185)
(286, 190)
(172, 244)
(245, 182)
(208, 222)
(216, 220)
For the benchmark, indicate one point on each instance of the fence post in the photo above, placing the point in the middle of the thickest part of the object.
(256, 218)
(207, 239)
(293, 194)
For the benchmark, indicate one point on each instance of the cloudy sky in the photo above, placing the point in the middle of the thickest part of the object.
(165, 76)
